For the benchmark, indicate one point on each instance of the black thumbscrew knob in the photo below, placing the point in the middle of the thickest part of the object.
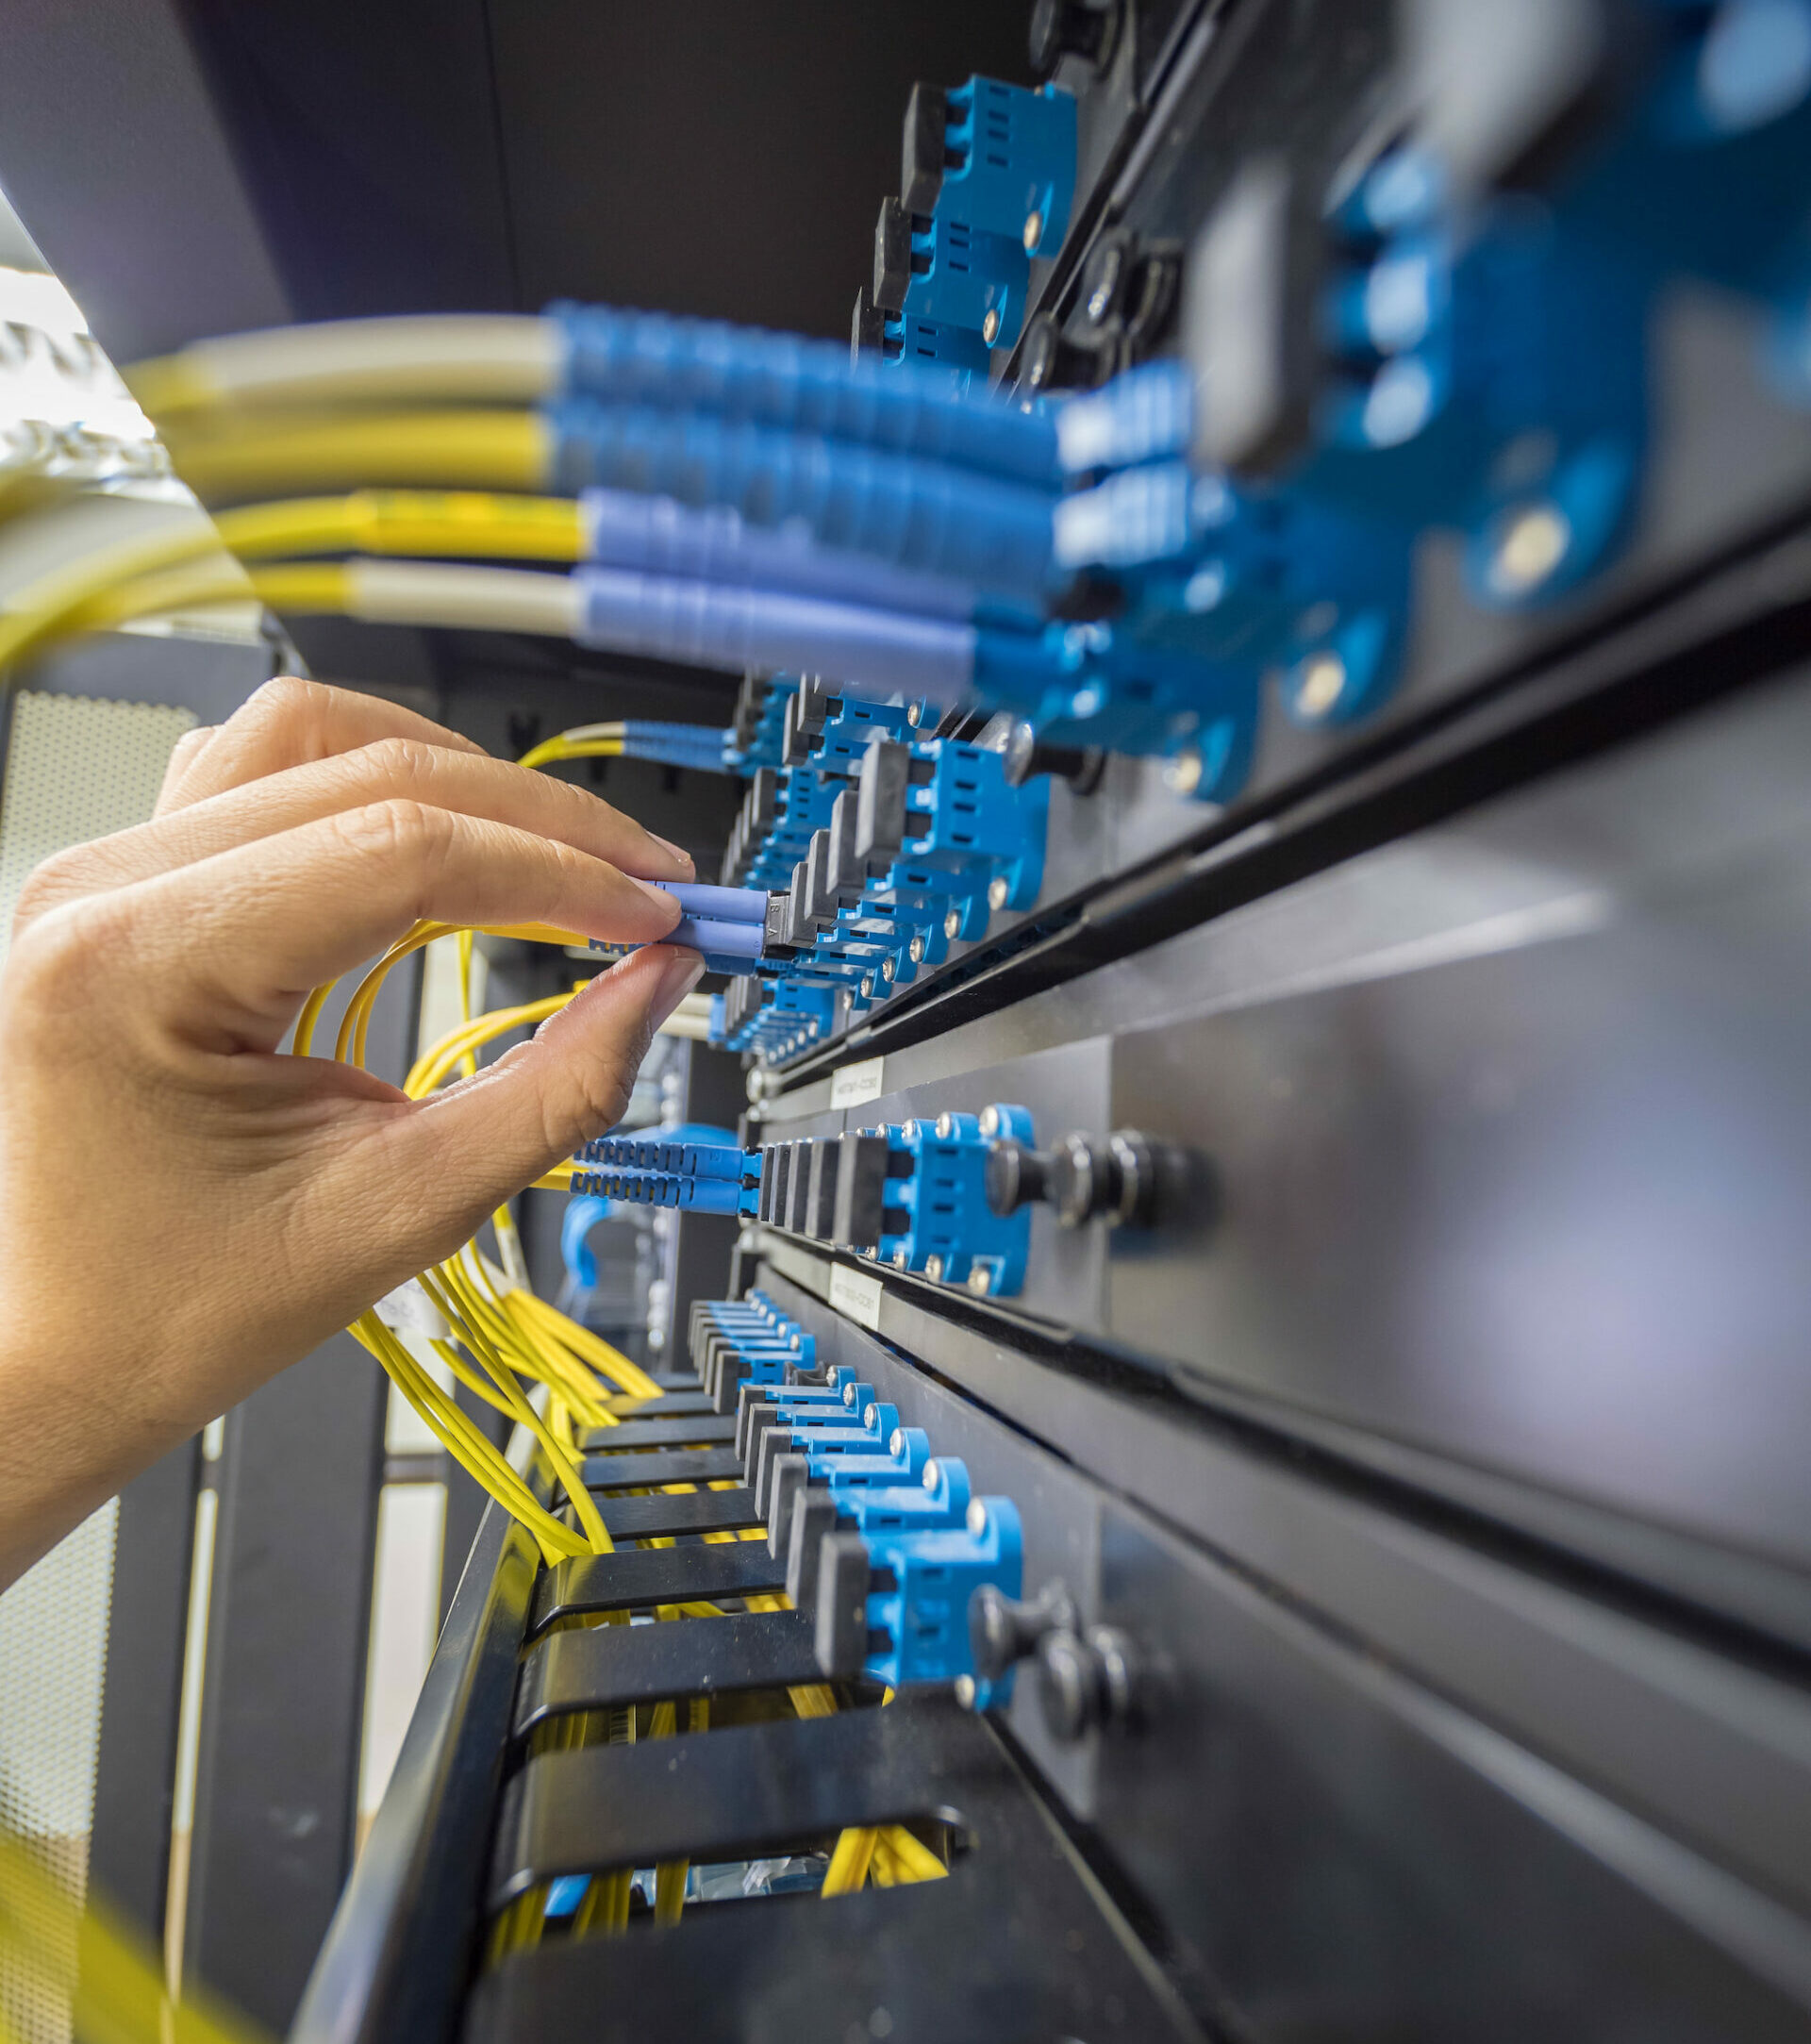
(1105, 1177)
(1105, 279)
(1026, 758)
(1086, 1681)
(1049, 362)
(1002, 1630)
(1013, 1175)
(1062, 28)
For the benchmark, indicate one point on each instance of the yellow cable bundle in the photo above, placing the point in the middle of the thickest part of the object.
(181, 571)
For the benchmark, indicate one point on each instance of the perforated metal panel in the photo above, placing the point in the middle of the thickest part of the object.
(75, 770)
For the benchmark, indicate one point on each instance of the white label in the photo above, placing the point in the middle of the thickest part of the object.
(854, 1294)
(410, 1311)
(855, 1085)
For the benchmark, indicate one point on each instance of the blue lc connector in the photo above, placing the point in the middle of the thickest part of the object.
(695, 1177)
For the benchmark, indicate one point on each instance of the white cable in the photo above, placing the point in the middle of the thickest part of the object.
(503, 357)
(471, 599)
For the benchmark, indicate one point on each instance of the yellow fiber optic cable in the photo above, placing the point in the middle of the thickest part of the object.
(484, 357)
(58, 1953)
(478, 449)
(478, 524)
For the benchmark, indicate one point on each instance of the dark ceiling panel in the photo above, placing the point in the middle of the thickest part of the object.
(717, 156)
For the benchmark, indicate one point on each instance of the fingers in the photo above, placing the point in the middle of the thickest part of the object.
(222, 950)
(288, 722)
(469, 1149)
(182, 757)
(471, 784)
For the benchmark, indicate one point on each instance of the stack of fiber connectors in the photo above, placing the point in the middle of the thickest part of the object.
(747, 1340)
(987, 180)
(920, 853)
(700, 1178)
(912, 1194)
(885, 1542)
(921, 840)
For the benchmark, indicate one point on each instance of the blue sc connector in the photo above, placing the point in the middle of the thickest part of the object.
(933, 1499)
(1241, 584)
(936, 1218)
(735, 929)
(775, 1022)
(832, 1477)
(907, 336)
(893, 1600)
(997, 159)
(938, 268)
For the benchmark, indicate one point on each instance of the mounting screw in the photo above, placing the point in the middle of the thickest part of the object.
(886, 971)
(990, 326)
(997, 891)
(1034, 229)
(934, 1268)
(914, 951)
(952, 924)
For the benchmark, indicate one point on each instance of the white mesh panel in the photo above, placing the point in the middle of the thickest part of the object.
(75, 770)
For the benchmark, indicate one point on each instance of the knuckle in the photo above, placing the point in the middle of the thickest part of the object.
(286, 698)
(52, 967)
(52, 880)
(600, 1088)
(396, 762)
(414, 837)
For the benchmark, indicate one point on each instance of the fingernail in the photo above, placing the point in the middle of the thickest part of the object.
(683, 971)
(662, 899)
(678, 850)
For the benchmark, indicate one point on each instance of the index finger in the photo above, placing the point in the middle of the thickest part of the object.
(292, 722)
(225, 950)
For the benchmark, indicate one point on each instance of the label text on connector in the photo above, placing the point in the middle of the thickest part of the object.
(855, 1085)
(855, 1294)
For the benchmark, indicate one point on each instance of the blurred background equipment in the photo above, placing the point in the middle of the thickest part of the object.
(1180, 1390)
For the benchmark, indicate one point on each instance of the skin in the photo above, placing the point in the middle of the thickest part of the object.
(186, 1209)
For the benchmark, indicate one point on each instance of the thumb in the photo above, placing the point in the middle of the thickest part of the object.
(480, 1142)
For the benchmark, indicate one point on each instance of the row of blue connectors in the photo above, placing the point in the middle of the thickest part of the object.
(745, 1341)
(774, 1018)
(862, 1509)
(703, 1178)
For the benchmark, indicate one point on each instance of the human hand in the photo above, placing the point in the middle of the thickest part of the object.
(186, 1210)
